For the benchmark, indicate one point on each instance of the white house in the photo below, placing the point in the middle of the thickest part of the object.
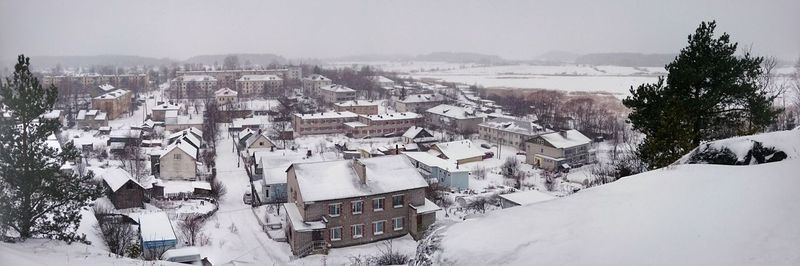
(459, 151)
(179, 161)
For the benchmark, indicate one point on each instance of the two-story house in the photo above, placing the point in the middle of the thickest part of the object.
(350, 202)
(559, 150)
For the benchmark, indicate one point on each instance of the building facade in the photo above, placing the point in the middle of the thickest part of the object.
(228, 78)
(374, 199)
(114, 103)
(126, 81)
(454, 118)
(336, 93)
(417, 102)
(382, 125)
(359, 107)
(226, 96)
(251, 85)
(559, 150)
(178, 162)
(192, 86)
(511, 132)
(322, 123)
(313, 82)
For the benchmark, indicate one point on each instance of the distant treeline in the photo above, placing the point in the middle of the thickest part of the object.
(626, 59)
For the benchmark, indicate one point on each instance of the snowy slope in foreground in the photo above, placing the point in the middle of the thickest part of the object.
(34, 252)
(682, 215)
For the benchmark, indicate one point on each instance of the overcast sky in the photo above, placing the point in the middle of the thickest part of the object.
(295, 29)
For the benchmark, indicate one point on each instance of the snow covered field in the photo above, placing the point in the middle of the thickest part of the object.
(680, 215)
(616, 80)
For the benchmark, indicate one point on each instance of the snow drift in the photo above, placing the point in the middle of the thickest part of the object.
(686, 214)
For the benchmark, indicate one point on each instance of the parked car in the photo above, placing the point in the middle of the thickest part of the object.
(488, 155)
(486, 146)
(247, 197)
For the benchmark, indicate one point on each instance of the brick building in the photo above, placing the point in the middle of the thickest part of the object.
(350, 202)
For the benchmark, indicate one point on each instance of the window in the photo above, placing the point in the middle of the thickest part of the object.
(397, 201)
(398, 223)
(335, 209)
(377, 227)
(176, 156)
(336, 233)
(377, 204)
(357, 206)
(358, 230)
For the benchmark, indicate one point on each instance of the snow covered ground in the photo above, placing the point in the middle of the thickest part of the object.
(35, 252)
(680, 215)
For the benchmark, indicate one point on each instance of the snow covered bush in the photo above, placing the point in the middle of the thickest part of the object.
(387, 256)
(756, 153)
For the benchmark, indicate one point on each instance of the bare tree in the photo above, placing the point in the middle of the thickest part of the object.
(133, 161)
(118, 235)
(192, 228)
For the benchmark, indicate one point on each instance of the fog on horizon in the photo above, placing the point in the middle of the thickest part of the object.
(325, 29)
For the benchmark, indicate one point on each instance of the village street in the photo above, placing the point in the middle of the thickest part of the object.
(235, 234)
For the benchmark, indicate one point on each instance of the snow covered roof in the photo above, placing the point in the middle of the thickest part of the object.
(185, 136)
(182, 145)
(565, 139)
(100, 116)
(433, 161)
(459, 149)
(344, 114)
(188, 131)
(514, 125)
(259, 78)
(225, 92)
(381, 79)
(155, 226)
(357, 103)
(317, 77)
(428, 207)
(355, 124)
(527, 197)
(250, 121)
(392, 116)
(455, 112)
(113, 95)
(298, 224)
(338, 179)
(184, 254)
(252, 139)
(166, 106)
(117, 177)
(197, 78)
(419, 98)
(106, 87)
(337, 88)
(125, 133)
(413, 131)
(54, 114)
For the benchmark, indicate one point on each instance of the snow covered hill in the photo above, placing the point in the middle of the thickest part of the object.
(688, 214)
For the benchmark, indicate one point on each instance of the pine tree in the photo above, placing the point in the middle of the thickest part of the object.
(709, 93)
(37, 199)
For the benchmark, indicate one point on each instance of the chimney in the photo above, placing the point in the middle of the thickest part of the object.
(361, 170)
(563, 133)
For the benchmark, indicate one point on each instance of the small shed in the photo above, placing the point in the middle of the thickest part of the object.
(122, 190)
(522, 198)
(156, 233)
